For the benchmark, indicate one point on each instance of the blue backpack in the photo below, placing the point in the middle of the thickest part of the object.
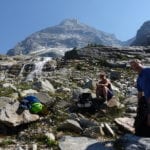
(28, 101)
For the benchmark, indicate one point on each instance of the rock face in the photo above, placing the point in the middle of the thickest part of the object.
(57, 39)
(143, 35)
(59, 89)
(107, 52)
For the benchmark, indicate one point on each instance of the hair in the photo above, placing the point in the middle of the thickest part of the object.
(102, 73)
(136, 61)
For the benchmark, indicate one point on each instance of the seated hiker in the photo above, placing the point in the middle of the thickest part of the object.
(33, 104)
(103, 88)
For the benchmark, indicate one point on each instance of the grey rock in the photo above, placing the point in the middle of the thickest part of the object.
(126, 123)
(44, 98)
(86, 123)
(44, 85)
(142, 36)
(131, 109)
(80, 143)
(94, 132)
(71, 125)
(11, 117)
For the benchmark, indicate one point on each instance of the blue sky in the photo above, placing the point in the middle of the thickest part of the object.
(20, 18)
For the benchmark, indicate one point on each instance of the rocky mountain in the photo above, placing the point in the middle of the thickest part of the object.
(68, 34)
(58, 84)
(143, 35)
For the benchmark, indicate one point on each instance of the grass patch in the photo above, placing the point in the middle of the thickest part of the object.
(6, 142)
(41, 139)
(6, 91)
(24, 86)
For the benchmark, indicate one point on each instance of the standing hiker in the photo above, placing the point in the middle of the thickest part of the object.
(142, 120)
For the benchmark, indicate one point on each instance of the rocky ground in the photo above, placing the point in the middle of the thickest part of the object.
(65, 126)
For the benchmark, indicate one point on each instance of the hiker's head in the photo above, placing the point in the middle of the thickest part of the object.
(102, 75)
(36, 107)
(136, 65)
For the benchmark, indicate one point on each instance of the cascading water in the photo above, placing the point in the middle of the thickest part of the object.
(39, 63)
(21, 71)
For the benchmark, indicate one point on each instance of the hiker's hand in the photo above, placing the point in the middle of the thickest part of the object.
(100, 85)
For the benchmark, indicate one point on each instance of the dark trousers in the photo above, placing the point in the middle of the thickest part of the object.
(141, 128)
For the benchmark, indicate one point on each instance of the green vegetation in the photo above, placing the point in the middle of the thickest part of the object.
(6, 91)
(42, 139)
(24, 86)
(51, 143)
(140, 57)
(94, 45)
(122, 57)
(6, 142)
(103, 62)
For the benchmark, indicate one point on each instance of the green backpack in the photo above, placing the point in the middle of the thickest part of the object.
(36, 107)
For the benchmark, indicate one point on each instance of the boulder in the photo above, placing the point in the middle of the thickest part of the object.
(131, 101)
(71, 125)
(10, 116)
(27, 92)
(126, 123)
(80, 143)
(114, 102)
(44, 98)
(44, 85)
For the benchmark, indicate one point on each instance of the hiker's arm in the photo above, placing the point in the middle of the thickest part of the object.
(107, 82)
(140, 94)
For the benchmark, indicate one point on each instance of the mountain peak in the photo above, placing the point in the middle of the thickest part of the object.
(68, 34)
(143, 35)
(69, 22)
(146, 23)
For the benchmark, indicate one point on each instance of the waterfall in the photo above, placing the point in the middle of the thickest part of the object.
(21, 71)
(39, 63)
